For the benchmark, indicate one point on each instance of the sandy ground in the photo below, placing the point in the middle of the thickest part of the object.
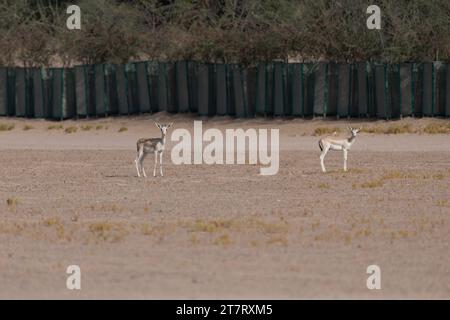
(216, 231)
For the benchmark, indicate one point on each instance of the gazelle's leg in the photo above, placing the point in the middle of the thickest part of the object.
(322, 157)
(345, 159)
(142, 165)
(136, 162)
(156, 162)
(160, 163)
(141, 158)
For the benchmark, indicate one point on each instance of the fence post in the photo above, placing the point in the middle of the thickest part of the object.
(243, 92)
(325, 91)
(413, 89)
(447, 90)
(266, 90)
(350, 86)
(149, 86)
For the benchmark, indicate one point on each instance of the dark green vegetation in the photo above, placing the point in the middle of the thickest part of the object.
(34, 33)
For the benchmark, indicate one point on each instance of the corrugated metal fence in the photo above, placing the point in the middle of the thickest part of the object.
(279, 89)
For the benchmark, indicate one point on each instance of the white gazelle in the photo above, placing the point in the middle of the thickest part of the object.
(332, 143)
(151, 145)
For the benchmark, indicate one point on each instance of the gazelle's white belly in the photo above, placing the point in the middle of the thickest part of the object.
(336, 147)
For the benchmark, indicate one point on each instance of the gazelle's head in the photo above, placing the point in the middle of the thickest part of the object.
(163, 127)
(354, 131)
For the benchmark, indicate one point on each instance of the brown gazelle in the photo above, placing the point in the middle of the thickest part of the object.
(331, 143)
(151, 145)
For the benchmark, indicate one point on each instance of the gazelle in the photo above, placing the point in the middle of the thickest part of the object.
(331, 143)
(155, 145)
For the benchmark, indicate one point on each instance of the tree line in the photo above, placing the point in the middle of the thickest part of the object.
(34, 33)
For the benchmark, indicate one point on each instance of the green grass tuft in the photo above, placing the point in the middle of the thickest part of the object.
(6, 127)
(71, 129)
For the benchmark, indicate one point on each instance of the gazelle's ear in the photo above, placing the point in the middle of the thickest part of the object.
(170, 124)
(158, 125)
(349, 128)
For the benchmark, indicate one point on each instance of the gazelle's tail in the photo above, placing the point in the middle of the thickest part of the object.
(320, 145)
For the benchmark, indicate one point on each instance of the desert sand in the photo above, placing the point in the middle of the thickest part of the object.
(222, 231)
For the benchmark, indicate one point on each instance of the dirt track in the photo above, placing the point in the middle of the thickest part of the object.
(222, 231)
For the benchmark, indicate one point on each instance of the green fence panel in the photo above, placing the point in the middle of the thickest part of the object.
(394, 91)
(212, 90)
(11, 83)
(382, 97)
(289, 88)
(261, 88)
(279, 89)
(354, 89)
(69, 108)
(47, 86)
(371, 100)
(61, 94)
(192, 67)
(344, 83)
(3, 91)
(122, 89)
(231, 103)
(406, 89)
(447, 90)
(39, 94)
(302, 87)
(143, 87)
(112, 99)
(320, 89)
(100, 90)
(153, 75)
(238, 91)
(428, 89)
(270, 89)
(164, 101)
(171, 94)
(309, 74)
(20, 92)
(162, 87)
(250, 80)
(58, 95)
(221, 90)
(332, 87)
(440, 89)
(132, 88)
(81, 90)
(297, 89)
(387, 85)
(363, 97)
(182, 86)
(92, 91)
(172, 90)
(417, 76)
(29, 93)
(379, 90)
(203, 88)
